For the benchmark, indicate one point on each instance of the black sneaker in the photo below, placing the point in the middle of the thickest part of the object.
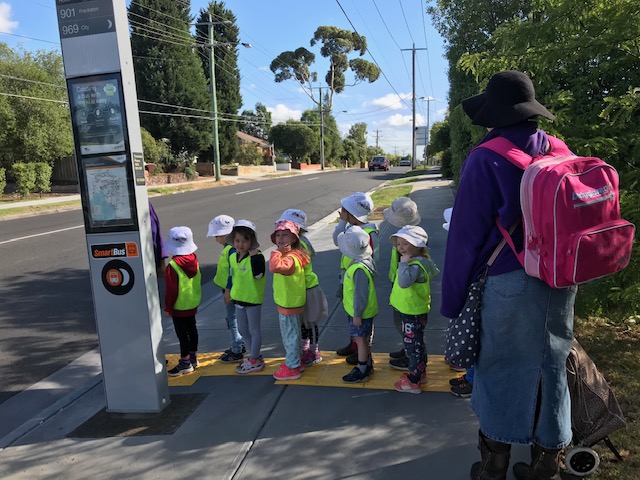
(458, 380)
(356, 376)
(462, 390)
(194, 361)
(400, 363)
(398, 354)
(180, 369)
(230, 357)
(348, 350)
(352, 359)
(228, 350)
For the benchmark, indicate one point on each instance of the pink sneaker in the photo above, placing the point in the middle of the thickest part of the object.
(286, 373)
(423, 377)
(404, 385)
(309, 358)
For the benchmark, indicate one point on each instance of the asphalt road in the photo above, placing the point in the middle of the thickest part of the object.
(47, 319)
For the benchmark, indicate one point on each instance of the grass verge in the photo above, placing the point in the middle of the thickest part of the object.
(614, 349)
(44, 207)
(383, 197)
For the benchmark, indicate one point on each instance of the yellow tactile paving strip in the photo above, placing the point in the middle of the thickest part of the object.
(327, 373)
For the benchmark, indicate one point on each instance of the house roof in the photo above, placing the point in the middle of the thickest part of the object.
(248, 138)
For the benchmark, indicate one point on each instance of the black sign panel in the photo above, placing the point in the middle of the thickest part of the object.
(77, 18)
(117, 277)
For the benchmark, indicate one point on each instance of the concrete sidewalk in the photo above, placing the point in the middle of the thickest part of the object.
(249, 427)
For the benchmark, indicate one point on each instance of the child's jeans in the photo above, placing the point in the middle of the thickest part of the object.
(414, 346)
(232, 325)
(290, 332)
(187, 334)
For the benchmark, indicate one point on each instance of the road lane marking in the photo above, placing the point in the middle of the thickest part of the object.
(312, 178)
(248, 191)
(40, 234)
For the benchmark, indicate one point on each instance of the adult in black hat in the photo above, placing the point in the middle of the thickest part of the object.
(520, 391)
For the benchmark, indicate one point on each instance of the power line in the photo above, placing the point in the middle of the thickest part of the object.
(29, 38)
(33, 98)
(31, 81)
(426, 44)
(405, 21)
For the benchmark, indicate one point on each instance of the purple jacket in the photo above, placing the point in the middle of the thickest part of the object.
(489, 188)
(159, 251)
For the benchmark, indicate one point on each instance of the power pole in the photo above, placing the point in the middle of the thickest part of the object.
(377, 137)
(214, 102)
(321, 131)
(413, 103)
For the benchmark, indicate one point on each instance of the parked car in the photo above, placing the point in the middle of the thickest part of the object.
(405, 162)
(379, 162)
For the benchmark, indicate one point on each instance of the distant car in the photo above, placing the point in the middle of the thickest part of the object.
(379, 162)
(405, 162)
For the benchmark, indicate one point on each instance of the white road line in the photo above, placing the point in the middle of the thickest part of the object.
(312, 178)
(40, 234)
(248, 191)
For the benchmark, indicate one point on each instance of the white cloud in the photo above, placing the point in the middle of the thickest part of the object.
(391, 101)
(281, 113)
(399, 120)
(6, 25)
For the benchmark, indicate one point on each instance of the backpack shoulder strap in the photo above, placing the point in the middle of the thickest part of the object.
(508, 151)
(558, 147)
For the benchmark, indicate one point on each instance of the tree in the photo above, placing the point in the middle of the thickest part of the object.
(296, 139)
(33, 130)
(258, 123)
(358, 134)
(229, 100)
(168, 71)
(337, 44)
(333, 149)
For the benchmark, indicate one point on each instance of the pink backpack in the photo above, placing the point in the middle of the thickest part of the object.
(571, 215)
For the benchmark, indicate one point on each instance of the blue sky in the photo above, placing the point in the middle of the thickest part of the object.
(274, 26)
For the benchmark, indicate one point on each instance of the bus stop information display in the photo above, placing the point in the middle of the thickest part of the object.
(77, 18)
(97, 111)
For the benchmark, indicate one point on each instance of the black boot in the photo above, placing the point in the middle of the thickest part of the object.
(545, 465)
(495, 460)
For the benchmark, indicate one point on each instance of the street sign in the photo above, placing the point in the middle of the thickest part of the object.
(422, 136)
(77, 18)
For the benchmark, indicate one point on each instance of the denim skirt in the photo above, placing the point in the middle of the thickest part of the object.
(520, 391)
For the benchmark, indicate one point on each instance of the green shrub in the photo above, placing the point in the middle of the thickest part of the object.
(43, 173)
(3, 179)
(190, 172)
(25, 175)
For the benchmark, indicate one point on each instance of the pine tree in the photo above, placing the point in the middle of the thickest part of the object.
(225, 40)
(168, 71)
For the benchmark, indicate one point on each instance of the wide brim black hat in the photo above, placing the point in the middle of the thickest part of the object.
(508, 99)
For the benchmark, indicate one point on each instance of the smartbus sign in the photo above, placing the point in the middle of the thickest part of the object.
(77, 18)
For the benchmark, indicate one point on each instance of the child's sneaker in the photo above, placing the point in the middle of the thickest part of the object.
(357, 376)
(194, 361)
(404, 385)
(462, 390)
(458, 380)
(401, 363)
(286, 373)
(348, 350)
(398, 354)
(231, 357)
(309, 358)
(457, 369)
(182, 368)
(250, 365)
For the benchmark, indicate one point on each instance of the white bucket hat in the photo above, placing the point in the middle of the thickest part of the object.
(248, 224)
(296, 216)
(402, 212)
(359, 205)
(220, 225)
(180, 241)
(354, 243)
(413, 234)
(447, 218)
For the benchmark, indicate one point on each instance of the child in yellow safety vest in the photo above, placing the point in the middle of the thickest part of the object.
(247, 291)
(287, 264)
(411, 297)
(315, 308)
(182, 296)
(402, 212)
(359, 298)
(355, 210)
(220, 228)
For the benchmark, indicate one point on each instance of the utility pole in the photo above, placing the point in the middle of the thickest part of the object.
(214, 103)
(321, 131)
(377, 137)
(413, 103)
(426, 150)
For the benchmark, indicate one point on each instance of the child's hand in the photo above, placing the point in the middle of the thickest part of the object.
(227, 296)
(344, 215)
(167, 313)
(357, 321)
(406, 258)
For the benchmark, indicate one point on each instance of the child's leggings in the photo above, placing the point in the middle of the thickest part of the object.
(232, 325)
(414, 346)
(290, 332)
(248, 318)
(187, 334)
